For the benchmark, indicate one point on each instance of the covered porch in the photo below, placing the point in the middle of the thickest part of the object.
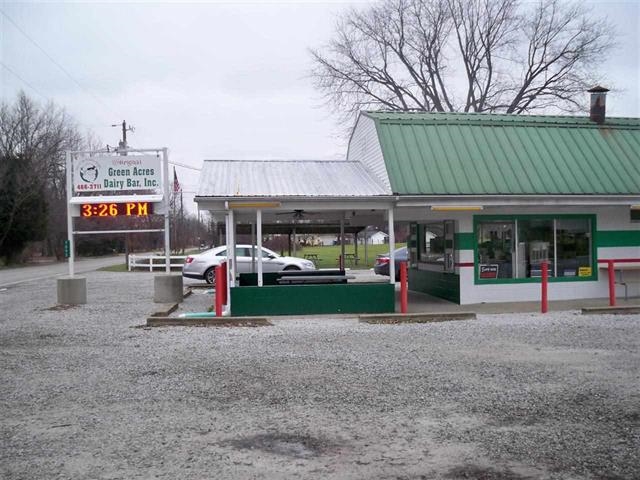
(288, 197)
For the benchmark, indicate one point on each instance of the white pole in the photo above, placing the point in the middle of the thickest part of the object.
(259, 235)
(232, 245)
(167, 244)
(253, 247)
(69, 218)
(392, 247)
(227, 220)
(344, 263)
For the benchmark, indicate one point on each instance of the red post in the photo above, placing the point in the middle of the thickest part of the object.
(218, 295)
(612, 284)
(545, 283)
(225, 280)
(403, 287)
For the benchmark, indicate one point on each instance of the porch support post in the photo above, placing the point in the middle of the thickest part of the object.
(366, 252)
(231, 246)
(392, 247)
(295, 243)
(253, 247)
(355, 252)
(343, 263)
(259, 238)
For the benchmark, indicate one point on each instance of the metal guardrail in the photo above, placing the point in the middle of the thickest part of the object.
(154, 261)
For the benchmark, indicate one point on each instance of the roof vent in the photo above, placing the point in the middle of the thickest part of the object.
(598, 104)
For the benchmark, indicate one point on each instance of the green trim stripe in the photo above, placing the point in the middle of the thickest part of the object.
(464, 240)
(618, 238)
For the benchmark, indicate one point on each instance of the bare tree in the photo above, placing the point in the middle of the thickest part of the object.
(33, 141)
(462, 55)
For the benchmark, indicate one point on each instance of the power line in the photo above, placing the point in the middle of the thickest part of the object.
(184, 165)
(55, 63)
(23, 80)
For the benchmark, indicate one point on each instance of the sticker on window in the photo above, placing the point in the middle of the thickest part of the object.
(489, 271)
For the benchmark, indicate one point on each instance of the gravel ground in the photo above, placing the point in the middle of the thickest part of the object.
(87, 395)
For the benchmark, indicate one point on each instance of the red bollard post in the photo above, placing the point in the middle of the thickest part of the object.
(225, 278)
(544, 307)
(218, 294)
(612, 284)
(403, 287)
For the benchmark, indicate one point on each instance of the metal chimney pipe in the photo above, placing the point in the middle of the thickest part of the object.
(597, 111)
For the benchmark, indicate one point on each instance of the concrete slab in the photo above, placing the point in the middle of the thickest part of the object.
(393, 318)
(617, 310)
(208, 322)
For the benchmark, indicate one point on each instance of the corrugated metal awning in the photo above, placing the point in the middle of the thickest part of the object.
(288, 178)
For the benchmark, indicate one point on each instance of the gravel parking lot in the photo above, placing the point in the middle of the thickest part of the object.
(86, 394)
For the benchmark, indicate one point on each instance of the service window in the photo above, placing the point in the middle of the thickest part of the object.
(515, 248)
(436, 244)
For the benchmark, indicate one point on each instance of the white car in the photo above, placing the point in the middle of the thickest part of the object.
(202, 266)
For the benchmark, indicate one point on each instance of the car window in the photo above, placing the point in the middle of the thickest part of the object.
(222, 253)
(243, 252)
(266, 252)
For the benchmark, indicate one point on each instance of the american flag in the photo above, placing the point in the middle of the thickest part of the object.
(176, 183)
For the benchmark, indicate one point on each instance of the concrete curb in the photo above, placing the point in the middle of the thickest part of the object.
(208, 322)
(171, 307)
(623, 310)
(394, 318)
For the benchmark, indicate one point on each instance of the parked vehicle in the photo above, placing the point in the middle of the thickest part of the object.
(381, 267)
(202, 265)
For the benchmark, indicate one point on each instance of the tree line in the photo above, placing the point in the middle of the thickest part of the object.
(34, 139)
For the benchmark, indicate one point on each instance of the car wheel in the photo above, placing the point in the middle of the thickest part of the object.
(210, 276)
(291, 267)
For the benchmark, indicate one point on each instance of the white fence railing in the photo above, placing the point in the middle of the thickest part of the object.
(155, 261)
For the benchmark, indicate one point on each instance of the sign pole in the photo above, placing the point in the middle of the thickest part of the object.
(69, 217)
(167, 245)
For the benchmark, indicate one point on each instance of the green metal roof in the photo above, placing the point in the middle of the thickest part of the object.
(490, 154)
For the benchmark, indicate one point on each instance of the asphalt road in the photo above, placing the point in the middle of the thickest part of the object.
(13, 276)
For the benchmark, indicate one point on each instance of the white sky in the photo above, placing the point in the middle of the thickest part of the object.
(212, 79)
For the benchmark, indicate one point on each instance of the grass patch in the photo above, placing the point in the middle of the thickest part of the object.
(121, 267)
(328, 255)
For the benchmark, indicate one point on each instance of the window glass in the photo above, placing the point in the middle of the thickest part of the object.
(432, 244)
(495, 249)
(517, 248)
(222, 253)
(573, 240)
(535, 245)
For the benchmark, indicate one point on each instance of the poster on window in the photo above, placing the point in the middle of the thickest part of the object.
(488, 271)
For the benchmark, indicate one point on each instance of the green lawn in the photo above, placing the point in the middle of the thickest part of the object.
(328, 255)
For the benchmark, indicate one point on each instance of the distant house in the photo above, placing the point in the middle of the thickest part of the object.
(374, 237)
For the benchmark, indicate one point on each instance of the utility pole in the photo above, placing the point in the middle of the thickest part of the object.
(122, 145)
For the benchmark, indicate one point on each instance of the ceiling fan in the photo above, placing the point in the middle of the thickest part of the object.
(297, 214)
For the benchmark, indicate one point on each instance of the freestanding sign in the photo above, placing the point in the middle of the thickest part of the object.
(117, 174)
(128, 182)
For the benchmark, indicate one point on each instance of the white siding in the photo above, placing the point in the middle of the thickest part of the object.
(364, 147)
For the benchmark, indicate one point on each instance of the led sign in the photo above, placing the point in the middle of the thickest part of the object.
(128, 209)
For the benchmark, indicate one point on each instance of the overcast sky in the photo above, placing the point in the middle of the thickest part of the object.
(211, 79)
